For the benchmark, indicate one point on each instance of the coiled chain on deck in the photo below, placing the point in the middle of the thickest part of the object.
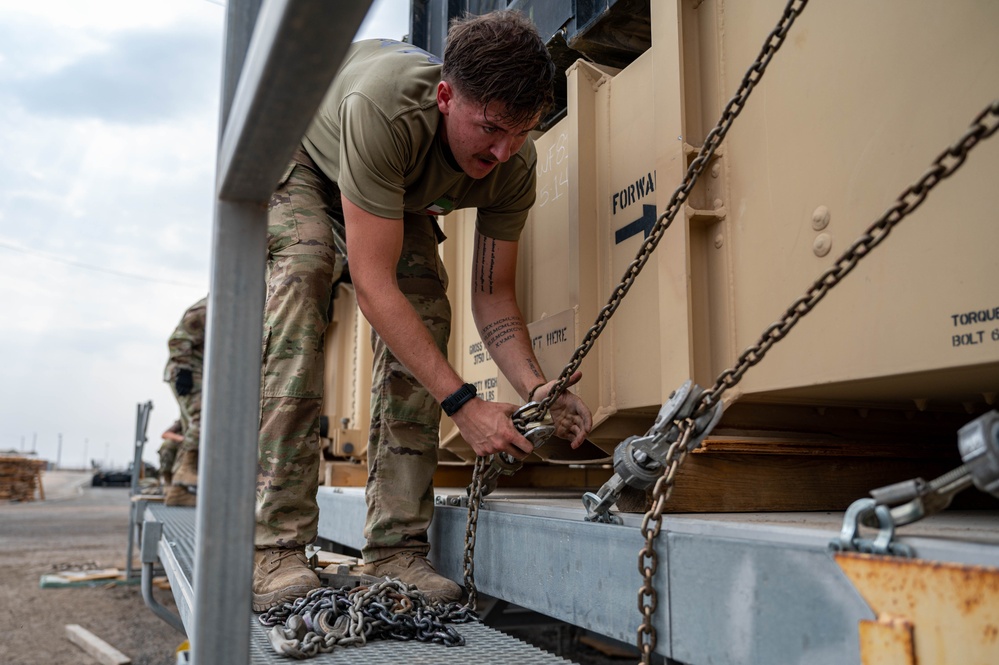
(327, 618)
(983, 126)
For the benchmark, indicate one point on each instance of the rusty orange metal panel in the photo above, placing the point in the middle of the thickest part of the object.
(887, 641)
(953, 608)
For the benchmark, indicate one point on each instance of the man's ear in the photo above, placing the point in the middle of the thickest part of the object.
(445, 97)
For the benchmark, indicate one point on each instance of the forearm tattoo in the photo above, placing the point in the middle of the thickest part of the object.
(484, 265)
(501, 331)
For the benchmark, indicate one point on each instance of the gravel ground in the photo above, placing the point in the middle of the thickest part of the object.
(79, 525)
(76, 525)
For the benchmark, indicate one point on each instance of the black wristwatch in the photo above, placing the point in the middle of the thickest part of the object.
(457, 399)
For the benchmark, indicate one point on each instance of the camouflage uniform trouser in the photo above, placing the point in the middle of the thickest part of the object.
(168, 455)
(305, 249)
(190, 418)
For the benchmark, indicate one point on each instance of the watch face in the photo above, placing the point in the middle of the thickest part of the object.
(453, 402)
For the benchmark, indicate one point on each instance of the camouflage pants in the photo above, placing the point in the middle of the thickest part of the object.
(305, 257)
(168, 455)
(190, 418)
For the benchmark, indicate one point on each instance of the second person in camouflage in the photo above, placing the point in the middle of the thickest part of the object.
(183, 372)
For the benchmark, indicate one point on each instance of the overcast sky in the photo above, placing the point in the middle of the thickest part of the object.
(108, 126)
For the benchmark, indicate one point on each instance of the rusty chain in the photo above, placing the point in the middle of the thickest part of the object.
(474, 500)
(983, 126)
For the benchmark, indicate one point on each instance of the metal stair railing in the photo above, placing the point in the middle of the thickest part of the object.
(280, 57)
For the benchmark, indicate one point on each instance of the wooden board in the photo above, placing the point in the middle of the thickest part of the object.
(95, 647)
(348, 474)
(758, 483)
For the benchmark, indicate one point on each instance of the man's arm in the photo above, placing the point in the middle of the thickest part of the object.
(503, 331)
(374, 246)
(189, 337)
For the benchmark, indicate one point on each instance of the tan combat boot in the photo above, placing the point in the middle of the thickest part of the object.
(279, 575)
(183, 488)
(414, 568)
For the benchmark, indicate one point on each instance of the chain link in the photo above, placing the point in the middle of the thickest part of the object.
(474, 499)
(648, 560)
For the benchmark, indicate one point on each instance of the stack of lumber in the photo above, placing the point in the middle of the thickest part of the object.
(20, 477)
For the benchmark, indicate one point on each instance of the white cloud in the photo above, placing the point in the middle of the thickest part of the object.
(108, 112)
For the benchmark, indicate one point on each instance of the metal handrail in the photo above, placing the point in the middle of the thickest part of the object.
(280, 57)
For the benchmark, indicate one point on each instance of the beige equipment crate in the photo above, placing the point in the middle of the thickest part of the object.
(855, 107)
(347, 381)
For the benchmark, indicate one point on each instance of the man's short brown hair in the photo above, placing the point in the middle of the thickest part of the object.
(499, 57)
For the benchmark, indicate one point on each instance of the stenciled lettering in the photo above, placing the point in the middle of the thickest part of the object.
(976, 317)
(634, 192)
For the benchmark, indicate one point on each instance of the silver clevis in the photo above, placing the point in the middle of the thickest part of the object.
(536, 431)
(911, 500)
(639, 461)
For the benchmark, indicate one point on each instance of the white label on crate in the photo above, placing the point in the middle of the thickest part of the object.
(554, 340)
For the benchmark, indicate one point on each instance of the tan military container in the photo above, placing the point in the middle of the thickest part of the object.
(347, 396)
(853, 109)
(465, 350)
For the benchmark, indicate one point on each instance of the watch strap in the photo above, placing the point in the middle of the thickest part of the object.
(457, 399)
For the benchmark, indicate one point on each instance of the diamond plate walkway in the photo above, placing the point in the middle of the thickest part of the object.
(482, 644)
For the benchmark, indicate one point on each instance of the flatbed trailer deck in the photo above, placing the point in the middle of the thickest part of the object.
(732, 588)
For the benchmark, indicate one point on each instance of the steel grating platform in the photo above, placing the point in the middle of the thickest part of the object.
(482, 644)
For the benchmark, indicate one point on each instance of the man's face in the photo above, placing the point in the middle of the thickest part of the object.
(480, 138)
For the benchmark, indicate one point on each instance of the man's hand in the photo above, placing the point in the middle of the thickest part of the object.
(488, 429)
(173, 436)
(184, 383)
(571, 417)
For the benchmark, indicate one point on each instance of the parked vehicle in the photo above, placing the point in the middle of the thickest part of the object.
(121, 477)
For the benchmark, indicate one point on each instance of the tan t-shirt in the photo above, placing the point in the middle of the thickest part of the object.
(375, 135)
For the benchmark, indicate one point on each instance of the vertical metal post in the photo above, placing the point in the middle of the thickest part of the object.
(279, 60)
(241, 16)
(230, 400)
(141, 426)
(228, 452)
